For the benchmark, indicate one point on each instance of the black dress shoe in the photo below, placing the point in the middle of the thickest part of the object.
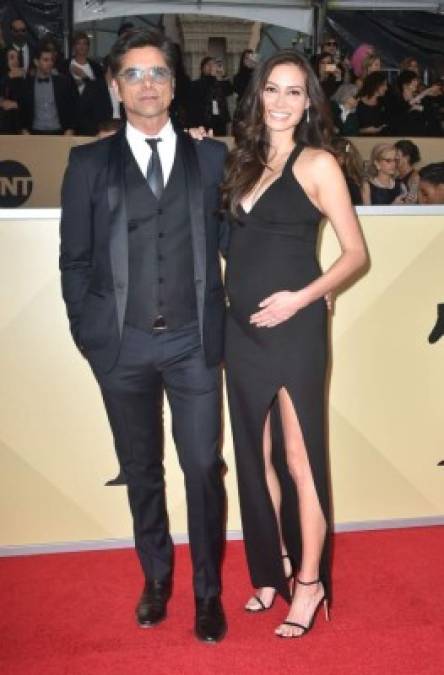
(210, 625)
(151, 608)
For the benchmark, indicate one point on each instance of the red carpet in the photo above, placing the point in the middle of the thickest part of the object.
(72, 614)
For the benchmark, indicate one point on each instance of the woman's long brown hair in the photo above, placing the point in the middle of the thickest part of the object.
(247, 160)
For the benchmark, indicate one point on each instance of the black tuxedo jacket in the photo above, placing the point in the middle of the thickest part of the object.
(94, 244)
(65, 100)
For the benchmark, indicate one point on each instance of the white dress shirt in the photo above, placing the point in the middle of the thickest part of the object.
(142, 151)
(26, 55)
(115, 102)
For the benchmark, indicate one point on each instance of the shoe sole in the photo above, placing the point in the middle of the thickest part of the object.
(211, 641)
(151, 624)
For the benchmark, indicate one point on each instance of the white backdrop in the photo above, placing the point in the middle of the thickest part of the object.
(296, 14)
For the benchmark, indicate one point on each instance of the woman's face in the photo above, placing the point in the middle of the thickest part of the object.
(350, 103)
(374, 66)
(382, 90)
(285, 97)
(413, 65)
(409, 90)
(402, 161)
(386, 164)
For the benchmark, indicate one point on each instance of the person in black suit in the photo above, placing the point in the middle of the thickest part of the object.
(93, 102)
(46, 101)
(20, 42)
(140, 236)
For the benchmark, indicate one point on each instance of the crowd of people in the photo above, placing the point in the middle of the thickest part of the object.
(43, 93)
(147, 307)
(389, 176)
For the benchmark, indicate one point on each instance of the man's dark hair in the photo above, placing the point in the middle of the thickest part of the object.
(135, 39)
(79, 35)
(433, 173)
(43, 48)
(17, 18)
(408, 149)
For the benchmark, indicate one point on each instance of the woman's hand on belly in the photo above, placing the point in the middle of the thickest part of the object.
(278, 308)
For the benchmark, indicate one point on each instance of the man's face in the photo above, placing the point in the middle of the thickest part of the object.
(209, 67)
(429, 193)
(149, 98)
(81, 48)
(19, 32)
(45, 63)
(330, 46)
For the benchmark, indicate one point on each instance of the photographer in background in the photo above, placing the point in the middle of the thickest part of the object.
(328, 72)
(209, 94)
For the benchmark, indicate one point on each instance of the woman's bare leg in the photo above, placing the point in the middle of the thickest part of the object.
(312, 520)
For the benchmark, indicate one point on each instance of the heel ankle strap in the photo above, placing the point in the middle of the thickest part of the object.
(308, 583)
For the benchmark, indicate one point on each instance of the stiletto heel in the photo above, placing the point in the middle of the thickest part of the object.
(326, 610)
(262, 606)
(309, 626)
(290, 576)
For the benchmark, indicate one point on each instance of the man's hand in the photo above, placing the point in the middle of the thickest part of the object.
(199, 133)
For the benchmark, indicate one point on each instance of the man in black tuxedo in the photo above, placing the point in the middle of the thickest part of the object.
(46, 101)
(93, 104)
(141, 280)
(20, 42)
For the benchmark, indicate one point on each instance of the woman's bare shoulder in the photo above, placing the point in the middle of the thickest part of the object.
(318, 162)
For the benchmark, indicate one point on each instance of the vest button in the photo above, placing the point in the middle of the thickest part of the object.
(160, 235)
(160, 280)
(159, 212)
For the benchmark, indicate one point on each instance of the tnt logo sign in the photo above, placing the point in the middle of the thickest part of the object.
(15, 184)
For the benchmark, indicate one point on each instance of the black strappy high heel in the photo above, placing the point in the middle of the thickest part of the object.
(305, 629)
(262, 606)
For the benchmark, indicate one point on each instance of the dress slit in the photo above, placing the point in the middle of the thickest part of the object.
(313, 445)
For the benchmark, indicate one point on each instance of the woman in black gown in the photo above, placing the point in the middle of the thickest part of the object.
(279, 184)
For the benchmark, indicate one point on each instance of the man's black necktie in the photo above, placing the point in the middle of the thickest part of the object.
(21, 60)
(154, 175)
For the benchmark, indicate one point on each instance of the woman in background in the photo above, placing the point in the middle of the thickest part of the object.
(382, 186)
(352, 167)
(371, 112)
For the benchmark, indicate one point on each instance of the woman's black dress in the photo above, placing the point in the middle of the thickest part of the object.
(273, 248)
(371, 116)
(384, 196)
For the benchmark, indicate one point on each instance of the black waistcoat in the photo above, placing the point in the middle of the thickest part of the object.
(161, 268)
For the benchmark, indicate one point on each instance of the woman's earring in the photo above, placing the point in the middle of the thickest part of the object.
(308, 115)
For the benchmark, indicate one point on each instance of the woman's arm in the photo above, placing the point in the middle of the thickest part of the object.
(326, 187)
(366, 195)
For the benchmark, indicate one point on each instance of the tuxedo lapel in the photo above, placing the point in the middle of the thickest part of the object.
(118, 224)
(197, 217)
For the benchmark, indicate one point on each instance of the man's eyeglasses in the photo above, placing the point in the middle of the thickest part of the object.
(19, 30)
(158, 74)
(331, 43)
